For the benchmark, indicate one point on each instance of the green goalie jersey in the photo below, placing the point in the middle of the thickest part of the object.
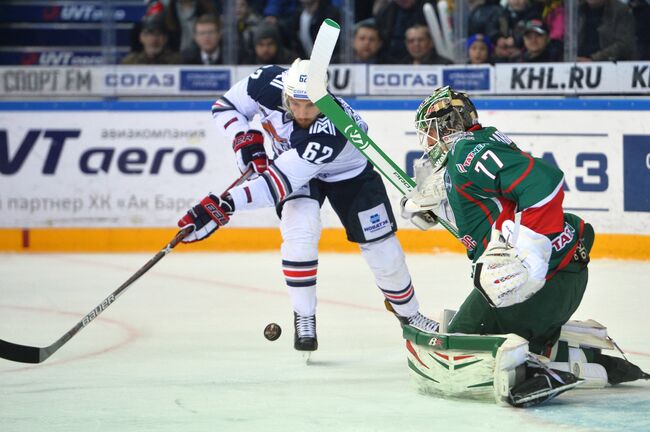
(487, 173)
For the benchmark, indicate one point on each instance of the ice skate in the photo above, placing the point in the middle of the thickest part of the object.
(305, 338)
(420, 322)
(541, 385)
(417, 321)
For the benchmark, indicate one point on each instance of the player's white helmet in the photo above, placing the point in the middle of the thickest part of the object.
(295, 82)
(440, 119)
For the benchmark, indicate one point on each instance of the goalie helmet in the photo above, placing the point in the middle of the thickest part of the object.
(439, 121)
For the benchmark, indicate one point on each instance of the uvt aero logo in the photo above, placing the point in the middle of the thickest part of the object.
(56, 144)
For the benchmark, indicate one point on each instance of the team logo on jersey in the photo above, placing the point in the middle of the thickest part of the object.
(322, 125)
(564, 238)
(278, 141)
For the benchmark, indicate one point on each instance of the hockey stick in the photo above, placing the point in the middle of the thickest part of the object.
(317, 92)
(32, 354)
(443, 14)
(434, 28)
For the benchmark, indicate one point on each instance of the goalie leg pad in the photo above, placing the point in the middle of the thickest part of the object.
(582, 336)
(464, 366)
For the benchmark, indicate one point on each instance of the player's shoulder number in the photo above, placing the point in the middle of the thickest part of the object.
(488, 154)
(259, 71)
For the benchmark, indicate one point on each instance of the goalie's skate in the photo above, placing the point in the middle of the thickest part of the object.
(305, 338)
(541, 385)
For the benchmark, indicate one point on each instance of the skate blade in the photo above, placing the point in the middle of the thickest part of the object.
(306, 357)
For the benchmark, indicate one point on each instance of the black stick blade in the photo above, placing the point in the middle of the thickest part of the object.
(20, 353)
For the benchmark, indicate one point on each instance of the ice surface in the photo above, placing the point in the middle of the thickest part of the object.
(183, 349)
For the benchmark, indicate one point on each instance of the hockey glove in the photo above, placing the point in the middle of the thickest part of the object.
(508, 275)
(249, 150)
(424, 220)
(419, 204)
(207, 216)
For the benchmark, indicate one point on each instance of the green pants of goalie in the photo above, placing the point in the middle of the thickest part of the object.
(538, 319)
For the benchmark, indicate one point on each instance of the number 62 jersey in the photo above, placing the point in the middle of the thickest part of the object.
(301, 154)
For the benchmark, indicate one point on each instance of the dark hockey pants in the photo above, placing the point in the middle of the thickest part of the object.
(538, 319)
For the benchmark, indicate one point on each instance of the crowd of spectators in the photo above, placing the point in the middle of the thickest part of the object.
(389, 31)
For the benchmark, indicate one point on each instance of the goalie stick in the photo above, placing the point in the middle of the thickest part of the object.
(31, 354)
(317, 92)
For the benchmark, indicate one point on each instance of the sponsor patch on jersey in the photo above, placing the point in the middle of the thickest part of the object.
(564, 238)
(322, 125)
(474, 152)
(468, 242)
(375, 222)
(461, 168)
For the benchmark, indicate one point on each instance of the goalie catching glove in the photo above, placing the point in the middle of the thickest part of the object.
(206, 217)
(249, 150)
(510, 274)
(419, 204)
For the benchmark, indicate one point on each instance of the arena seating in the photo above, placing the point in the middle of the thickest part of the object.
(64, 32)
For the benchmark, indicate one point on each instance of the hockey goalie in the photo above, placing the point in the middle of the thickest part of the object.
(512, 338)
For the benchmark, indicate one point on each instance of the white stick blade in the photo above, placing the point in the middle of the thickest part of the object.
(434, 29)
(320, 58)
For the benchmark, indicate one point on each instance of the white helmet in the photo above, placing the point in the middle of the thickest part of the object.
(295, 80)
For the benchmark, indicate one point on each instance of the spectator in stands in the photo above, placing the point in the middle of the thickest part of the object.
(479, 49)
(366, 43)
(641, 13)
(505, 50)
(605, 31)
(393, 21)
(153, 7)
(268, 48)
(207, 38)
(153, 38)
(280, 11)
(180, 16)
(553, 17)
(518, 13)
(420, 47)
(247, 21)
(537, 44)
(304, 24)
(487, 18)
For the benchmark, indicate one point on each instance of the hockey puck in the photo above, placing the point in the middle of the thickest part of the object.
(272, 331)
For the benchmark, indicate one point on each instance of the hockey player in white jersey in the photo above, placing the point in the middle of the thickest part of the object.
(313, 162)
